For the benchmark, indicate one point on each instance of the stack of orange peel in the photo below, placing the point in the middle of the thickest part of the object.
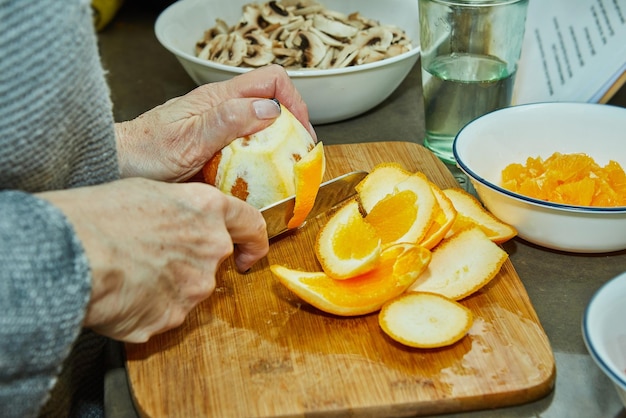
(407, 249)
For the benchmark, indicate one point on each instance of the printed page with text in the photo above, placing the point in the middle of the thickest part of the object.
(574, 50)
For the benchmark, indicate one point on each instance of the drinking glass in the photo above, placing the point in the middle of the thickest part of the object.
(469, 55)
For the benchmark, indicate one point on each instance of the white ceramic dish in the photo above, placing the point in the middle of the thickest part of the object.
(484, 147)
(331, 95)
(604, 331)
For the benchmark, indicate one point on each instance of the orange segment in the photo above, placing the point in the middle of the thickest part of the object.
(445, 215)
(308, 173)
(461, 265)
(347, 245)
(574, 179)
(471, 211)
(399, 266)
(399, 204)
(425, 320)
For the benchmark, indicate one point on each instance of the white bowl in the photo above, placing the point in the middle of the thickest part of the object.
(331, 95)
(604, 331)
(485, 146)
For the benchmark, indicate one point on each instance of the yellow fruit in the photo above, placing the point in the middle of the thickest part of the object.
(399, 204)
(347, 245)
(398, 268)
(425, 320)
(259, 168)
(308, 174)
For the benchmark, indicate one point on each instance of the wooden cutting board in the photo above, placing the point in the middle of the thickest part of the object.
(253, 349)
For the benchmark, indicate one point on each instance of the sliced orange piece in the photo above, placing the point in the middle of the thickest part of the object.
(461, 265)
(347, 245)
(445, 215)
(470, 210)
(569, 179)
(399, 204)
(399, 266)
(308, 174)
(425, 320)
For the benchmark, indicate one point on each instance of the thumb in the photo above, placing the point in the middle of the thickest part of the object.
(235, 118)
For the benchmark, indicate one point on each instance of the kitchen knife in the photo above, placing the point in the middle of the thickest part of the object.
(330, 194)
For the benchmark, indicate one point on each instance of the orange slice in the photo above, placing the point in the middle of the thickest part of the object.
(398, 268)
(425, 320)
(461, 265)
(308, 173)
(399, 204)
(347, 245)
(574, 179)
(445, 215)
(471, 211)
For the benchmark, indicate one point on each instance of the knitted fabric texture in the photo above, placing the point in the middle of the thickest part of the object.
(56, 131)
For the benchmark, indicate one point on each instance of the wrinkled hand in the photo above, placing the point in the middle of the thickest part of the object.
(154, 249)
(173, 141)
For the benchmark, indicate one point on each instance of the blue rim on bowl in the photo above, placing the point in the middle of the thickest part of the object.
(617, 377)
(543, 203)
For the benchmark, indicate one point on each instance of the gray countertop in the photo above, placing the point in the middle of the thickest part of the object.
(142, 74)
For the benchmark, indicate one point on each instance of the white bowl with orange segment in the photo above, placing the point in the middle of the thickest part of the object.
(485, 146)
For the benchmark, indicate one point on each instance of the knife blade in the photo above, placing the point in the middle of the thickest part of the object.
(330, 194)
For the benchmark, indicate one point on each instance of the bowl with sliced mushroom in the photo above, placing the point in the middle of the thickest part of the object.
(344, 56)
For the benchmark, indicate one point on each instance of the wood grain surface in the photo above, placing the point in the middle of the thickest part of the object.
(253, 349)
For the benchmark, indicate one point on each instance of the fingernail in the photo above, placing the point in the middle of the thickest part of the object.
(266, 108)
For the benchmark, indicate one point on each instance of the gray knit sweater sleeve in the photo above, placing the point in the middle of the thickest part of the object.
(44, 288)
(56, 131)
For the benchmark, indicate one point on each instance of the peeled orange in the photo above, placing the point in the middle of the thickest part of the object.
(573, 179)
(260, 168)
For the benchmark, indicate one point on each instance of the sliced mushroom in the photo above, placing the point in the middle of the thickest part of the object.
(312, 47)
(368, 54)
(334, 28)
(377, 37)
(232, 51)
(328, 40)
(275, 12)
(258, 56)
(346, 56)
(300, 33)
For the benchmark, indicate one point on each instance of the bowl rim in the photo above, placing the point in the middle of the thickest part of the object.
(297, 73)
(530, 200)
(618, 379)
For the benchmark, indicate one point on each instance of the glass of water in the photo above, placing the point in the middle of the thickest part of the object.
(469, 55)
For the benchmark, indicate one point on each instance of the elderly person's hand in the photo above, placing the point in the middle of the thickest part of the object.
(173, 141)
(154, 249)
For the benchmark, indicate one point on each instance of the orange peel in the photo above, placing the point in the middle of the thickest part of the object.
(347, 245)
(399, 266)
(461, 265)
(444, 217)
(399, 204)
(308, 173)
(471, 212)
(425, 320)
